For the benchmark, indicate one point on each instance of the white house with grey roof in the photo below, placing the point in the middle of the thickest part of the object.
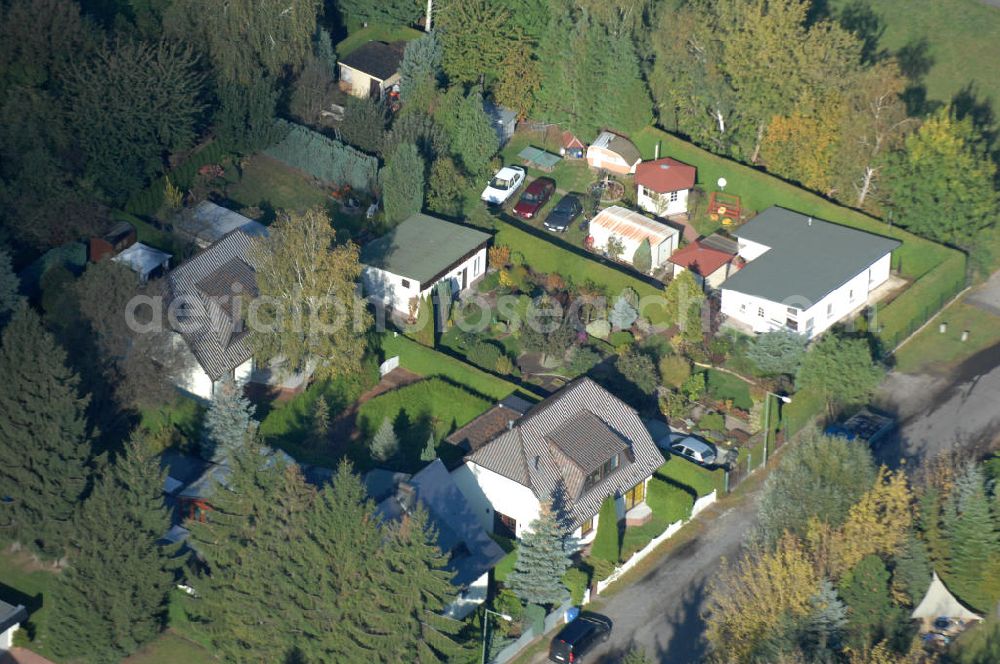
(802, 274)
(576, 448)
(415, 256)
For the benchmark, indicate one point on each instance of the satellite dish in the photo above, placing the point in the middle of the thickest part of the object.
(722, 183)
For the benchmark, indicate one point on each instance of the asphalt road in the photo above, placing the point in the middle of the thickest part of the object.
(661, 611)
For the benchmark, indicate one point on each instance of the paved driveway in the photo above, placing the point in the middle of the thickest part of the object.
(661, 612)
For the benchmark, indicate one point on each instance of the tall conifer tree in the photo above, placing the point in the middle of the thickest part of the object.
(114, 595)
(541, 562)
(44, 438)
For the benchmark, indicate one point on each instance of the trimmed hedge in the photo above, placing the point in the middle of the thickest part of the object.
(324, 158)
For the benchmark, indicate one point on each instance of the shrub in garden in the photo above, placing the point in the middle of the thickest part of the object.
(622, 314)
(516, 258)
(674, 370)
(504, 365)
(385, 444)
(499, 256)
(489, 282)
(694, 387)
(712, 422)
(576, 580)
(599, 329)
(639, 370)
(484, 354)
(621, 339)
(583, 360)
(607, 542)
(642, 259)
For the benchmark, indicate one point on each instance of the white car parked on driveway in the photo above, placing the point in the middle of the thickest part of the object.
(503, 185)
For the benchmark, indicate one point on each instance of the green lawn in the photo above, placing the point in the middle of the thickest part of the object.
(961, 41)
(431, 406)
(929, 350)
(182, 417)
(669, 503)
(724, 386)
(288, 425)
(805, 406)
(375, 33)
(572, 175)
(701, 481)
(267, 183)
(21, 583)
(549, 256)
(170, 648)
(428, 362)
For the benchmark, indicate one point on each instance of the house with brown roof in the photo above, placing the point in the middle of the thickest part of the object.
(709, 265)
(663, 186)
(614, 153)
(371, 69)
(576, 448)
(617, 224)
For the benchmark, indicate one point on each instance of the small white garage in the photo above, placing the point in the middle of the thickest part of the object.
(418, 254)
(630, 229)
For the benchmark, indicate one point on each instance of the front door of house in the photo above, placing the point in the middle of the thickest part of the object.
(635, 496)
(465, 278)
(375, 89)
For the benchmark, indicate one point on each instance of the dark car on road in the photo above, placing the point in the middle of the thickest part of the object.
(578, 637)
(534, 197)
(566, 210)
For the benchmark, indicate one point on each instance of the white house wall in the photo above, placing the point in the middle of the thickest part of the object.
(487, 491)
(388, 289)
(660, 204)
(660, 252)
(750, 250)
(832, 308)
(476, 266)
(395, 292)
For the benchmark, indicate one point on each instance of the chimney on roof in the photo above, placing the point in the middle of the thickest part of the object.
(405, 496)
(510, 424)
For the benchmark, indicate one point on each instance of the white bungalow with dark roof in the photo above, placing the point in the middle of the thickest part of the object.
(802, 274)
(418, 254)
(576, 448)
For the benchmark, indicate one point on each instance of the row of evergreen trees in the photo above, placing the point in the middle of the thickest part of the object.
(281, 570)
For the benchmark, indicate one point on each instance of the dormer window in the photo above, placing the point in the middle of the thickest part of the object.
(606, 469)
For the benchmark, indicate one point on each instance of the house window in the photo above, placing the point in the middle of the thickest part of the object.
(602, 472)
(673, 197)
(587, 527)
(635, 496)
(475, 266)
(503, 525)
(809, 326)
(850, 295)
(406, 283)
(743, 307)
(760, 312)
(829, 310)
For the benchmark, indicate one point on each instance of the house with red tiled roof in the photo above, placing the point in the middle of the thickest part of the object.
(663, 186)
(709, 265)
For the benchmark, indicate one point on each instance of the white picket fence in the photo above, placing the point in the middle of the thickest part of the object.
(699, 506)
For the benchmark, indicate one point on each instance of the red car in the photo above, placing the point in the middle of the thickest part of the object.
(534, 197)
